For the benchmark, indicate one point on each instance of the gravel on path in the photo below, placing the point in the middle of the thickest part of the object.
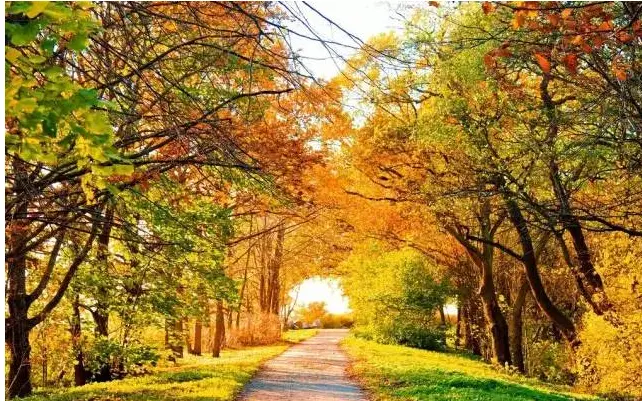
(313, 370)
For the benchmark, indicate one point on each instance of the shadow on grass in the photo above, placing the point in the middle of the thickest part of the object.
(197, 385)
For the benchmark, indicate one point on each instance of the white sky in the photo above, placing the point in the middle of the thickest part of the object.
(363, 19)
(326, 290)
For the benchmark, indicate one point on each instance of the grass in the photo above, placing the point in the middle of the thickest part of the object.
(391, 372)
(296, 336)
(195, 378)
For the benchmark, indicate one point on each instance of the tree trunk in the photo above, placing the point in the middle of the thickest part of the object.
(496, 325)
(483, 259)
(102, 323)
(80, 373)
(219, 332)
(472, 342)
(198, 330)
(588, 279)
(230, 318)
(442, 315)
(458, 327)
(563, 323)
(17, 326)
(101, 311)
(173, 337)
(516, 326)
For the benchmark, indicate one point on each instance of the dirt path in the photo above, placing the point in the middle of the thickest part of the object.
(313, 370)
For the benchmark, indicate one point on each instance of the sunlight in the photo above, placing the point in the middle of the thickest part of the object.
(319, 289)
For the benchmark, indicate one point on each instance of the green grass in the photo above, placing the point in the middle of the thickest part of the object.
(391, 372)
(195, 378)
(296, 336)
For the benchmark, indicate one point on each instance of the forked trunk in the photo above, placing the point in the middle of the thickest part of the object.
(561, 321)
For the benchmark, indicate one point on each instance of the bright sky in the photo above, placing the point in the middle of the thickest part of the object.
(318, 289)
(361, 18)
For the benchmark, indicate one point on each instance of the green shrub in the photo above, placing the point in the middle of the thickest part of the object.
(408, 334)
(133, 359)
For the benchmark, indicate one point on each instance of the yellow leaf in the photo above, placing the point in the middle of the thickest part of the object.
(12, 54)
(36, 8)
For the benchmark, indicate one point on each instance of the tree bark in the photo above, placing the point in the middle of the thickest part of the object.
(198, 340)
(458, 327)
(219, 331)
(80, 373)
(587, 278)
(17, 325)
(516, 327)
(563, 323)
(483, 259)
(442, 315)
(472, 342)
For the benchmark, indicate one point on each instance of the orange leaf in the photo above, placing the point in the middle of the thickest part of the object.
(624, 36)
(487, 6)
(566, 12)
(543, 62)
(489, 60)
(519, 19)
(434, 3)
(554, 19)
(619, 72)
(570, 61)
(606, 26)
(578, 40)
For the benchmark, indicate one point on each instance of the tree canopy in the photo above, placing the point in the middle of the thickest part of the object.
(174, 169)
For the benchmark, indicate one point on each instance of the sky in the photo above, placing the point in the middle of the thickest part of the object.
(318, 289)
(360, 18)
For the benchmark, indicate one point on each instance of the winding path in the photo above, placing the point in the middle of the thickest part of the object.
(313, 370)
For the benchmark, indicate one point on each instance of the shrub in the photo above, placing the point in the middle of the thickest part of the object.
(256, 329)
(132, 359)
(411, 335)
(334, 321)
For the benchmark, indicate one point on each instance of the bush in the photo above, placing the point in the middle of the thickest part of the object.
(428, 338)
(132, 359)
(256, 329)
(332, 321)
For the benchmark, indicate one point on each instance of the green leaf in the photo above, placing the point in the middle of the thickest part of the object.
(23, 34)
(97, 123)
(27, 105)
(48, 45)
(78, 42)
(18, 7)
(37, 59)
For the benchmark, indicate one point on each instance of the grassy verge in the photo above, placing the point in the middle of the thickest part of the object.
(391, 372)
(296, 336)
(195, 378)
